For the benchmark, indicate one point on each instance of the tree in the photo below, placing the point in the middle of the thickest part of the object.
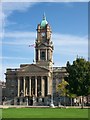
(63, 89)
(79, 77)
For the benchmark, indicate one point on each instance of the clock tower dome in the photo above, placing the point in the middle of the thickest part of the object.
(44, 45)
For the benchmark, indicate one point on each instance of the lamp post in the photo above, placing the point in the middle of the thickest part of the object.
(52, 104)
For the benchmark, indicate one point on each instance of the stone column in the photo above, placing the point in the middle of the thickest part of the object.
(46, 54)
(42, 87)
(38, 55)
(24, 87)
(18, 86)
(48, 86)
(36, 86)
(29, 86)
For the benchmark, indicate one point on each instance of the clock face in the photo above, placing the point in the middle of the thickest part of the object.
(43, 34)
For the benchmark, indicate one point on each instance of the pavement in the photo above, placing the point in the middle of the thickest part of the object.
(25, 106)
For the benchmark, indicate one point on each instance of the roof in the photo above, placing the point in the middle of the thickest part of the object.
(59, 69)
(32, 68)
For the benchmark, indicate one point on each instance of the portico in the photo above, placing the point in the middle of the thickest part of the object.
(33, 82)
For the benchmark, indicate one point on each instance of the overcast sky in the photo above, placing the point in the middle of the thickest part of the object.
(69, 23)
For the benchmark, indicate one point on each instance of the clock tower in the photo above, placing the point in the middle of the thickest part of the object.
(44, 45)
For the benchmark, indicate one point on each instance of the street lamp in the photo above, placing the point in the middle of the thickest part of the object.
(52, 104)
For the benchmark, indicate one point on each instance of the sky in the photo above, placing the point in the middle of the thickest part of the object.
(69, 23)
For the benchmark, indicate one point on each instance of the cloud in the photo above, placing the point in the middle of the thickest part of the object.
(59, 40)
(70, 45)
(2, 17)
(23, 38)
(66, 46)
(19, 34)
(7, 8)
(15, 58)
(68, 40)
(18, 38)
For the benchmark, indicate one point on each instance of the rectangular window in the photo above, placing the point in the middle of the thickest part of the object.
(42, 55)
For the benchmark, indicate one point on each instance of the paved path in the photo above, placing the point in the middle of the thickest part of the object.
(19, 106)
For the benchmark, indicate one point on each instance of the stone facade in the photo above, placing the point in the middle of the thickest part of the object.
(38, 80)
(2, 91)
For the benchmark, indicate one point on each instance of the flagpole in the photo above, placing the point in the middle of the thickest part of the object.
(34, 52)
(34, 56)
(33, 45)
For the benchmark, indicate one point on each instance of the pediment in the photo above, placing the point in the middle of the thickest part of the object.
(33, 68)
(42, 45)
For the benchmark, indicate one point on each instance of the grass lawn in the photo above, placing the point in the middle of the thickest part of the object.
(44, 113)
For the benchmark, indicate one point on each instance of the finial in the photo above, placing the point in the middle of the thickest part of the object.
(44, 16)
(44, 21)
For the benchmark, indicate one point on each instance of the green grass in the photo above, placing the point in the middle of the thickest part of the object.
(44, 113)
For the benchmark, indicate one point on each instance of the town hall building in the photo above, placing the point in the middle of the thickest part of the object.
(36, 83)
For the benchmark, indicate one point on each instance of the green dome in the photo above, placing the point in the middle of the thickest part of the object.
(44, 21)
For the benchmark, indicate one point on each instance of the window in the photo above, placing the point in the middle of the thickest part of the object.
(42, 55)
(36, 55)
